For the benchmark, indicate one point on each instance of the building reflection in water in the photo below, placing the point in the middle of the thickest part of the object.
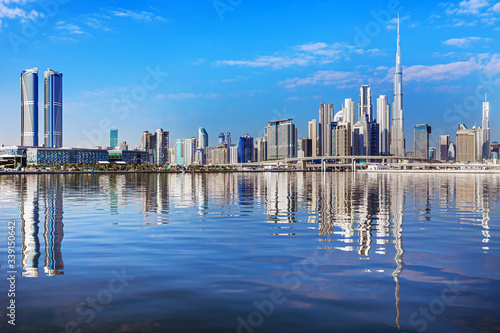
(48, 191)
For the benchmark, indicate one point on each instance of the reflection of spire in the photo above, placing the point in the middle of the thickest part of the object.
(53, 228)
(397, 231)
(29, 228)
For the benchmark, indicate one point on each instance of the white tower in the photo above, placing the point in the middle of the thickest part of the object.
(397, 133)
(486, 128)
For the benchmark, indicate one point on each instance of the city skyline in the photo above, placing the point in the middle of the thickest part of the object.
(297, 98)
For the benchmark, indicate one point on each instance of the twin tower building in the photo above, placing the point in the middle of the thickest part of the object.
(52, 108)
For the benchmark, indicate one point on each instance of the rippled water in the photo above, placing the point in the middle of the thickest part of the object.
(253, 252)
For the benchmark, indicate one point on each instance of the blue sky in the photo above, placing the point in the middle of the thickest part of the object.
(236, 64)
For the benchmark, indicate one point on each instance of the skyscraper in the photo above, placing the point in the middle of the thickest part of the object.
(228, 140)
(325, 118)
(421, 141)
(29, 107)
(313, 136)
(383, 119)
(53, 109)
(202, 138)
(397, 134)
(466, 145)
(444, 144)
(162, 143)
(486, 129)
(365, 103)
(113, 138)
(349, 115)
(222, 138)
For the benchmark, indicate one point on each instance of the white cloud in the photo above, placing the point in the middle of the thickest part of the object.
(451, 71)
(393, 23)
(472, 7)
(338, 78)
(16, 12)
(303, 55)
(70, 28)
(139, 16)
(465, 41)
(182, 96)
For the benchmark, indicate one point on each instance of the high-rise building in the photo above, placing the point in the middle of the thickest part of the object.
(486, 129)
(365, 103)
(245, 149)
(325, 118)
(162, 144)
(384, 121)
(421, 141)
(373, 143)
(228, 140)
(452, 152)
(53, 109)
(444, 145)
(281, 139)
(343, 139)
(313, 136)
(123, 146)
(202, 138)
(466, 145)
(261, 145)
(495, 150)
(113, 138)
(349, 114)
(398, 142)
(359, 138)
(29, 107)
(185, 151)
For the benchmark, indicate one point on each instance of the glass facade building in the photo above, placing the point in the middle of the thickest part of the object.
(422, 132)
(29, 107)
(53, 109)
(113, 138)
(245, 149)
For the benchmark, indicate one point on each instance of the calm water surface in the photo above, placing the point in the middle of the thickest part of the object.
(256, 252)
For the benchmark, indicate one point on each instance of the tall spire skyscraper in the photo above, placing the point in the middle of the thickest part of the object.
(486, 128)
(29, 107)
(397, 134)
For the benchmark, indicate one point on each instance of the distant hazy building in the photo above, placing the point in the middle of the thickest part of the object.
(421, 141)
(432, 153)
(365, 103)
(466, 145)
(494, 150)
(29, 107)
(222, 138)
(486, 130)
(113, 138)
(444, 145)
(325, 119)
(313, 136)
(304, 148)
(185, 149)
(53, 109)
(123, 146)
(245, 149)
(452, 152)
(281, 139)
(228, 141)
(202, 138)
(384, 121)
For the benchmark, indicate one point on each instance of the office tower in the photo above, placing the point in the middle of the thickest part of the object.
(452, 152)
(245, 149)
(53, 109)
(365, 103)
(432, 153)
(343, 139)
(486, 129)
(421, 141)
(199, 157)
(162, 143)
(222, 138)
(202, 138)
(305, 148)
(444, 144)
(348, 111)
(466, 145)
(113, 138)
(281, 139)
(494, 150)
(384, 121)
(313, 136)
(233, 154)
(185, 151)
(325, 118)
(29, 107)
(261, 145)
(397, 133)
(479, 143)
